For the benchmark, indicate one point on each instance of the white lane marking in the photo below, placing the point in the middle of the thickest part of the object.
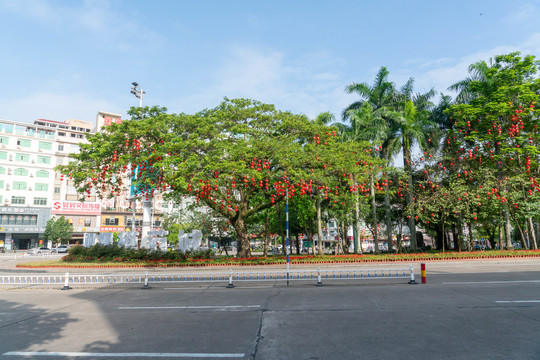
(490, 282)
(188, 307)
(150, 355)
(517, 301)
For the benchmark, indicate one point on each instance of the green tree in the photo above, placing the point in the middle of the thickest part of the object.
(58, 230)
(497, 129)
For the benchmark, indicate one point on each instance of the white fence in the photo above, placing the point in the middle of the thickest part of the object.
(230, 277)
(9, 256)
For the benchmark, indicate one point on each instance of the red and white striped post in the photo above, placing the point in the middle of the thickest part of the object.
(423, 270)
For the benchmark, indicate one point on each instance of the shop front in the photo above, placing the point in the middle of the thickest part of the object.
(22, 228)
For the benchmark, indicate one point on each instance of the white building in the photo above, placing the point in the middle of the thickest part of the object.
(30, 190)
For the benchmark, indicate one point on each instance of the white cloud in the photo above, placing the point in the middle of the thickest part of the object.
(441, 73)
(308, 85)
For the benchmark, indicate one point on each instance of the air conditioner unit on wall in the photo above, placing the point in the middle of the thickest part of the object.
(29, 188)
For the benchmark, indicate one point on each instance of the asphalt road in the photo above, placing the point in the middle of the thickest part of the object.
(467, 310)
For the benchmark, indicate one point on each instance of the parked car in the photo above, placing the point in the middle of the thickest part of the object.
(39, 251)
(61, 249)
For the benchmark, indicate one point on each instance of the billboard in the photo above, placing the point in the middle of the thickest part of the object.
(76, 207)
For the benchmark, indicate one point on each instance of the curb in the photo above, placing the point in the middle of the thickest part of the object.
(345, 261)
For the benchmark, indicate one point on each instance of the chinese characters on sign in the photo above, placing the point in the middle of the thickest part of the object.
(76, 207)
(108, 120)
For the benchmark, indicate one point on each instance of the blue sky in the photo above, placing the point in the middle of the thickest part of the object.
(70, 59)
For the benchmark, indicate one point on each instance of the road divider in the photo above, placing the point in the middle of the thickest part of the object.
(317, 275)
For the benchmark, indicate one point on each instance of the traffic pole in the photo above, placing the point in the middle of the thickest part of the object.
(423, 269)
(412, 281)
(146, 286)
(66, 283)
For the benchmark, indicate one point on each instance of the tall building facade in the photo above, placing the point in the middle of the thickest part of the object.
(30, 190)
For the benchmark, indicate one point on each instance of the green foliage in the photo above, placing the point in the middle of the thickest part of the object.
(114, 253)
(58, 230)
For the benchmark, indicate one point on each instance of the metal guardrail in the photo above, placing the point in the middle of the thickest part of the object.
(232, 276)
(11, 256)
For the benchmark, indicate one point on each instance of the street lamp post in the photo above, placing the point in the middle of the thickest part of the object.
(138, 92)
(147, 204)
(287, 226)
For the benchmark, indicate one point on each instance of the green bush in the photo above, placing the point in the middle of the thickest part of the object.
(102, 253)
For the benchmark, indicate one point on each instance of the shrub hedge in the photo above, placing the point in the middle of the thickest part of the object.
(107, 253)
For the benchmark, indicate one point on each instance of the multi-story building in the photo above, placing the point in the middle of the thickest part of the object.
(30, 190)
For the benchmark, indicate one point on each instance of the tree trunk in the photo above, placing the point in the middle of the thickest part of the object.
(357, 242)
(507, 233)
(455, 237)
(244, 249)
(319, 225)
(532, 235)
(388, 221)
(471, 239)
(460, 232)
(521, 235)
(266, 235)
(500, 235)
(410, 193)
(374, 214)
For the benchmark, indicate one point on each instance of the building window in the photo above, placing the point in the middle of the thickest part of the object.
(87, 222)
(22, 157)
(19, 185)
(73, 135)
(2, 170)
(57, 189)
(45, 145)
(4, 140)
(60, 147)
(61, 133)
(42, 187)
(42, 174)
(3, 155)
(40, 201)
(23, 142)
(12, 219)
(18, 200)
(44, 159)
(20, 172)
(111, 221)
(1, 185)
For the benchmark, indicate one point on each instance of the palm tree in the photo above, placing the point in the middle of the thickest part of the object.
(414, 127)
(468, 88)
(367, 124)
(378, 95)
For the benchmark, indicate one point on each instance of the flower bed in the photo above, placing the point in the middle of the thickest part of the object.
(186, 260)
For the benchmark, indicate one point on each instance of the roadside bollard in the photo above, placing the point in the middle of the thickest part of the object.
(66, 283)
(412, 281)
(230, 280)
(146, 286)
(423, 268)
(319, 281)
